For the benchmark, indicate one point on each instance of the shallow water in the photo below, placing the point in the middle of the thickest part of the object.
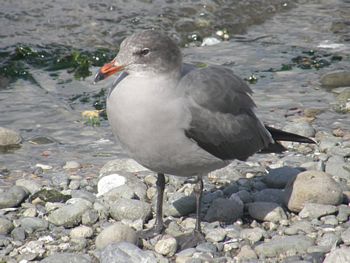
(44, 107)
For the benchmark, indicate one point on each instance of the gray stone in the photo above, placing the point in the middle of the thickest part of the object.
(290, 245)
(330, 220)
(115, 233)
(125, 165)
(89, 217)
(81, 232)
(327, 142)
(124, 252)
(246, 253)
(225, 210)
(32, 224)
(84, 195)
(345, 236)
(67, 258)
(166, 246)
(215, 234)
(310, 187)
(74, 184)
(207, 247)
(9, 137)
(130, 209)
(59, 180)
(179, 204)
(6, 226)
(225, 175)
(269, 195)
(18, 233)
(328, 240)
(253, 234)
(338, 255)
(343, 213)
(245, 196)
(70, 215)
(30, 185)
(123, 191)
(279, 177)
(337, 166)
(13, 197)
(300, 127)
(299, 226)
(71, 165)
(312, 210)
(266, 211)
(338, 78)
(231, 189)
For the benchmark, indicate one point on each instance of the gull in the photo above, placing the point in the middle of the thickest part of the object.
(176, 119)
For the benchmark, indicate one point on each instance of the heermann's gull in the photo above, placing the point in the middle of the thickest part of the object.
(174, 118)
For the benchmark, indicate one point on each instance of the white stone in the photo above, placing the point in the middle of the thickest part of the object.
(109, 182)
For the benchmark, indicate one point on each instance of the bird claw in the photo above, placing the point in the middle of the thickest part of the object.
(152, 232)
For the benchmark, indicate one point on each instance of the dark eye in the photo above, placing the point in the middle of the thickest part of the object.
(144, 51)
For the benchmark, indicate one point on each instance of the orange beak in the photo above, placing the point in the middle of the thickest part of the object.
(107, 70)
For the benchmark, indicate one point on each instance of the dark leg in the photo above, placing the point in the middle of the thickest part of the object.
(159, 225)
(196, 237)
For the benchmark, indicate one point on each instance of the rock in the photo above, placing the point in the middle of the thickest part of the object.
(59, 180)
(125, 165)
(30, 185)
(338, 78)
(310, 187)
(50, 195)
(252, 234)
(166, 246)
(300, 127)
(84, 195)
(115, 233)
(6, 226)
(89, 217)
(108, 182)
(179, 204)
(67, 258)
(328, 240)
(266, 211)
(215, 234)
(70, 165)
(337, 166)
(9, 137)
(290, 245)
(81, 232)
(225, 175)
(32, 224)
(18, 234)
(74, 184)
(246, 253)
(13, 197)
(345, 236)
(312, 210)
(244, 196)
(124, 252)
(123, 191)
(207, 247)
(343, 213)
(130, 209)
(299, 226)
(225, 210)
(269, 195)
(279, 177)
(70, 214)
(338, 255)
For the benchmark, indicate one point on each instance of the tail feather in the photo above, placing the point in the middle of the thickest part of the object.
(279, 135)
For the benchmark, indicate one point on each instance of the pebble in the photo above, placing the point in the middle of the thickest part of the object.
(130, 209)
(312, 210)
(328, 240)
(343, 213)
(310, 187)
(108, 182)
(215, 235)
(71, 165)
(279, 177)
(59, 180)
(81, 232)
(206, 247)
(9, 137)
(338, 255)
(30, 185)
(115, 233)
(279, 245)
(13, 197)
(253, 234)
(123, 191)
(67, 258)
(225, 210)
(6, 226)
(18, 234)
(266, 211)
(330, 220)
(166, 246)
(32, 224)
(124, 252)
(246, 254)
(125, 165)
(84, 195)
(337, 166)
(70, 214)
(89, 217)
(299, 226)
(338, 78)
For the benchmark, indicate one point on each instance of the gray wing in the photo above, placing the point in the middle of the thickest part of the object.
(223, 121)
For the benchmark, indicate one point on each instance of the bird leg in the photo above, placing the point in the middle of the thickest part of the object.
(196, 237)
(159, 224)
